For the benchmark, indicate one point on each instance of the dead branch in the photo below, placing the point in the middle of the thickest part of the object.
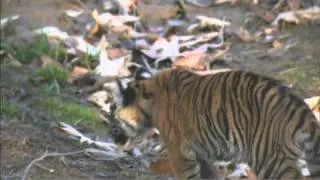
(46, 154)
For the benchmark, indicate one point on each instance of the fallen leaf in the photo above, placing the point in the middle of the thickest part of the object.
(163, 49)
(298, 15)
(5, 21)
(99, 98)
(79, 43)
(268, 31)
(52, 32)
(205, 21)
(113, 20)
(48, 61)
(114, 53)
(205, 37)
(191, 60)
(277, 44)
(286, 16)
(313, 102)
(79, 71)
(126, 5)
(106, 66)
(74, 12)
(244, 35)
(268, 16)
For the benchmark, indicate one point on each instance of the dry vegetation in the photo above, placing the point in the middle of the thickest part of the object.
(59, 60)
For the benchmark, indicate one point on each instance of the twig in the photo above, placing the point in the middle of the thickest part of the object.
(278, 5)
(46, 154)
(44, 168)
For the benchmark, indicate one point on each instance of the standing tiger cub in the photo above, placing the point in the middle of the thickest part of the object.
(232, 116)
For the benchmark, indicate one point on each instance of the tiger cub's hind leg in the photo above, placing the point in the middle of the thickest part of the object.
(206, 170)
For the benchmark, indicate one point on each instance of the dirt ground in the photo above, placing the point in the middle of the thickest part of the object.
(26, 137)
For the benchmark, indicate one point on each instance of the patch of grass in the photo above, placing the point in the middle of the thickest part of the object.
(69, 111)
(8, 109)
(26, 52)
(52, 74)
(304, 76)
(88, 61)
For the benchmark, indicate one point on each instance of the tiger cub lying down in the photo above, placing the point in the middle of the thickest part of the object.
(232, 116)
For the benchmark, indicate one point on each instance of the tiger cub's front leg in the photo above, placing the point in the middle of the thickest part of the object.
(182, 166)
(186, 165)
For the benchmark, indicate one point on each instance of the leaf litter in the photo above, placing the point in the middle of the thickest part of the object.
(204, 37)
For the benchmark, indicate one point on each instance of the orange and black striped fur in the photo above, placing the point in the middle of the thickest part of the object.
(230, 116)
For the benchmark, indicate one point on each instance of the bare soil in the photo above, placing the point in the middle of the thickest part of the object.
(26, 137)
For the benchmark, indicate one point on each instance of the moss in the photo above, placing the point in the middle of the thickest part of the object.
(8, 109)
(69, 111)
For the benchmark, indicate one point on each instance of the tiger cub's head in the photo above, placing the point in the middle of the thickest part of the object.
(135, 102)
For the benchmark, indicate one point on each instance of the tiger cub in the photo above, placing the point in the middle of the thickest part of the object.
(232, 116)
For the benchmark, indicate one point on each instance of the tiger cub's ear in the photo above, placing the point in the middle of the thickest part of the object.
(125, 93)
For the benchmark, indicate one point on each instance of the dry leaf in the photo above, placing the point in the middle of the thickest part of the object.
(5, 21)
(205, 21)
(79, 71)
(212, 21)
(114, 53)
(126, 5)
(74, 12)
(268, 16)
(106, 66)
(52, 32)
(191, 60)
(298, 15)
(200, 39)
(268, 31)
(113, 20)
(286, 16)
(277, 44)
(48, 61)
(99, 98)
(313, 102)
(163, 49)
(244, 35)
(80, 44)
